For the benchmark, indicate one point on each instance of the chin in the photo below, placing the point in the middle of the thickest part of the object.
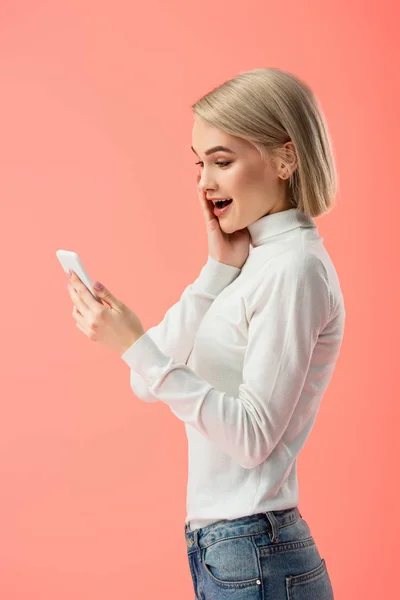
(226, 228)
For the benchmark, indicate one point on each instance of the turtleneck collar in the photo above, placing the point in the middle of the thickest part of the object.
(276, 223)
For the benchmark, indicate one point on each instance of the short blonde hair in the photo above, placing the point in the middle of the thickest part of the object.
(269, 107)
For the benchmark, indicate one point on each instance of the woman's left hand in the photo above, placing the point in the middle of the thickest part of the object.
(115, 325)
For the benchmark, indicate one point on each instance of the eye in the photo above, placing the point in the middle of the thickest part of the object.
(223, 164)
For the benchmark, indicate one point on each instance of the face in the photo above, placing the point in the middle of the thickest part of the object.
(251, 181)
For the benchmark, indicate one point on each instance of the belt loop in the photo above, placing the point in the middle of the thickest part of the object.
(274, 526)
(196, 537)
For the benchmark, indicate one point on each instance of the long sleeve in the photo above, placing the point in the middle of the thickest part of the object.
(286, 311)
(175, 334)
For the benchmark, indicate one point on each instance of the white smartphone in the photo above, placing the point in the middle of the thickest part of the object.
(70, 260)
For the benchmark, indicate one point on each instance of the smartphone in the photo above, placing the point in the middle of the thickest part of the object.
(70, 260)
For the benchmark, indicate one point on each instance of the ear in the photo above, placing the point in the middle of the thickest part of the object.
(287, 161)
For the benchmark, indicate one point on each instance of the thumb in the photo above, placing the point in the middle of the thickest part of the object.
(106, 295)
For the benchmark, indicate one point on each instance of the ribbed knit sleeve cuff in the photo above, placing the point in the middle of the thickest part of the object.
(146, 358)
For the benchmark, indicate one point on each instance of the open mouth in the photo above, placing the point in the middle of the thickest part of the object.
(223, 203)
(222, 207)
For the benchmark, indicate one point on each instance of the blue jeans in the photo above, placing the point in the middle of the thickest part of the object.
(267, 556)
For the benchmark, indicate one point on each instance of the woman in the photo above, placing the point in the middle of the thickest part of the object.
(244, 357)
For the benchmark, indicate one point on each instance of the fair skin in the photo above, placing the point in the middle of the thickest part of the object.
(258, 186)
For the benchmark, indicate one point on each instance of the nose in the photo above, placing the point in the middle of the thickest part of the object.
(203, 183)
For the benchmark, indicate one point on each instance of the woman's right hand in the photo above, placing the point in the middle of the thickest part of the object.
(228, 248)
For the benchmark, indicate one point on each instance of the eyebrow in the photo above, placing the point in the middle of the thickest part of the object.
(215, 149)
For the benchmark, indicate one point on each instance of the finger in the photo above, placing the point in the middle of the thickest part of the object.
(84, 294)
(77, 300)
(78, 316)
(88, 333)
(85, 320)
(79, 326)
(76, 313)
(81, 321)
(206, 205)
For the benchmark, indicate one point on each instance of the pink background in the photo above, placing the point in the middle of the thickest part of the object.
(95, 135)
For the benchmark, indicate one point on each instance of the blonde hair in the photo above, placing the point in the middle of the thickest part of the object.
(269, 107)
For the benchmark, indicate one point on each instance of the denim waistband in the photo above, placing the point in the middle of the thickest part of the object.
(270, 521)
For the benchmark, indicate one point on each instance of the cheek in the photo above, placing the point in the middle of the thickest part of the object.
(246, 181)
(259, 179)
(238, 178)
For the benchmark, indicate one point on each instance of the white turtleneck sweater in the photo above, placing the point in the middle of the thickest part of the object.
(243, 359)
